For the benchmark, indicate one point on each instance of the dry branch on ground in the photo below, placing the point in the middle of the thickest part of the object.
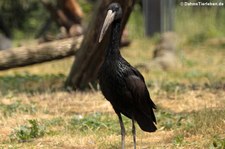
(23, 56)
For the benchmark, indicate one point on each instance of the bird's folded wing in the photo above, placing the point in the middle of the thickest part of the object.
(140, 94)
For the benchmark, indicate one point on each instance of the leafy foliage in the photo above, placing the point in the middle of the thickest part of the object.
(168, 120)
(27, 133)
(178, 140)
(21, 14)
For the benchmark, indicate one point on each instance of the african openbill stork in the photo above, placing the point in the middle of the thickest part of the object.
(121, 84)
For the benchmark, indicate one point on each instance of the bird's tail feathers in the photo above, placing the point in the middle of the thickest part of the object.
(146, 123)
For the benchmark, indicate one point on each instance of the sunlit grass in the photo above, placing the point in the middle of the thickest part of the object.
(195, 25)
(190, 104)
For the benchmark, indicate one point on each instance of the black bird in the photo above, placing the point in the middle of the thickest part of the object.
(121, 84)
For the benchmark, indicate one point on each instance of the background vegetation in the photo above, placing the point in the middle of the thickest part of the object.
(36, 112)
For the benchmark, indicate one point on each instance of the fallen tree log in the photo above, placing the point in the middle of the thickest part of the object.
(23, 56)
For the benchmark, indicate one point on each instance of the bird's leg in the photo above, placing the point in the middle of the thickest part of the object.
(122, 130)
(134, 132)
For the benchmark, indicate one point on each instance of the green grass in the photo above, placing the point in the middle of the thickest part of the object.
(26, 133)
(196, 25)
(218, 143)
(17, 107)
(136, 24)
(208, 121)
(30, 82)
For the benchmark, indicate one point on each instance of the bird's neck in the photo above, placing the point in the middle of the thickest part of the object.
(113, 49)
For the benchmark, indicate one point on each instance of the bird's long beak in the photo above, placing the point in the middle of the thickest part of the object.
(108, 20)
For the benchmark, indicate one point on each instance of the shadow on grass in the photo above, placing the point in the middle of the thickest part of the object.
(30, 83)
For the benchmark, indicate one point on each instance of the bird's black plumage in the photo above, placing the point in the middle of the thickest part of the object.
(123, 85)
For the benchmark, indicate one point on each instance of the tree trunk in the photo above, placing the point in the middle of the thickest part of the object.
(24, 56)
(91, 54)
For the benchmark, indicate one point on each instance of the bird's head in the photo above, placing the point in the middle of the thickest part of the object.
(114, 12)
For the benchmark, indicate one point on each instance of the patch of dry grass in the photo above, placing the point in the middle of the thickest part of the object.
(190, 102)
